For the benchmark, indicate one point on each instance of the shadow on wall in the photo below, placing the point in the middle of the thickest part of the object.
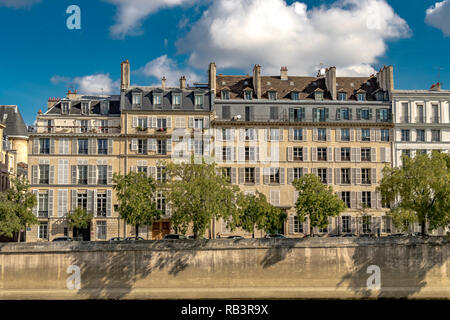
(278, 250)
(404, 266)
(117, 272)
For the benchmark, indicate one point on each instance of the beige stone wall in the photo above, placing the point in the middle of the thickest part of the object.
(21, 146)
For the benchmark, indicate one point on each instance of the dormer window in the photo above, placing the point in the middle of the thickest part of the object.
(225, 95)
(295, 95)
(248, 94)
(104, 107)
(342, 96)
(176, 100)
(199, 101)
(318, 96)
(65, 107)
(85, 107)
(379, 96)
(272, 95)
(157, 100)
(361, 96)
(137, 99)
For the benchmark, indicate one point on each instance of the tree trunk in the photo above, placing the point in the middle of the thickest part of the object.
(424, 227)
(311, 230)
(137, 230)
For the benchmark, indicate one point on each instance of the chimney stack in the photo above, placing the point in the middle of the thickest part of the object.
(163, 83)
(183, 82)
(330, 82)
(212, 77)
(284, 73)
(257, 80)
(125, 75)
(51, 102)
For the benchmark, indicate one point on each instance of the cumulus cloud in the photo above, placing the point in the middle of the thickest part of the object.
(90, 84)
(349, 34)
(164, 66)
(438, 16)
(18, 4)
(131, 13)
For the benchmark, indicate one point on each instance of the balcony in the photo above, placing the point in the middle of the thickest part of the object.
(73, 129)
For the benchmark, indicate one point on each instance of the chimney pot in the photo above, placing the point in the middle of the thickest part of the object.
(284, 73)
(183, 82)
(163, 83)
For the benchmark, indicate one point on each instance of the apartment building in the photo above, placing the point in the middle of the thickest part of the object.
(271, 130)
(72, 153)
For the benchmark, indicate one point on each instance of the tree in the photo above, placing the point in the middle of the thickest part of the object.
(420, 187)
(198, 193)
(79, 218)
(316, 200)
(9, 221)
(274, 220)
(20, 201)
(136, 197)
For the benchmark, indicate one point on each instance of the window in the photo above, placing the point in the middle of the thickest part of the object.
(104, 126)
(82, 200)
(342, 96)
(298, 134)
(44, 170)
(405, 113)
(43, 205)
(104, 107)
(102, 174)
(419, 117)
(142, 146)
(161, 202)
(161, 174)
(345, 134)
(43, 230)
(226, 134)
(383, 115)
(365, 154)
(250, 154)
(435, 135)
(101, 205)
(435, 110)
(365, 134)
(420, 135)
(198, 147)
(298, 226)
(102, 146)
(162, 147)
(226, 172)
(142, 123)
(84, 107)
(318, 96)
(365, 176)
(385, 135)
(345, 176)
(137, 99)
(157, 100)
(387, 221)
(142, 169)
(198, 101)
(365, 114)
(298, 153)
(226, 114)
(344, 114)
(421, 152)
(295, 96)
(226, 154)
(298, 173)
(64, 107)
(249, 175)
(321, 114)
(272, 95)
(49, 126)
(83, 126)
(322, 154)
(322, 134)
(406, 153)
(248, 114)
(176, 100)
(366, 224)
(345, 196)
(83, 146)
(379, 96)
(296, 114)
(101, 230)
(366, 197)
(198, 123)
(346, 223)
(82, 174)
(322, 173)
(248, 95)
(44, 146)
(345, 154)
(273, 113)
(162, 123)
(361, 97)
(274, 175)
(405, 135)
(274, 134)
(384, 203)
(225, 95)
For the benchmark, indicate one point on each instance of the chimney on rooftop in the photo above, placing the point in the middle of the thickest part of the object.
(212, 77)
(330, 82)
(163, 83)
(284, 73)
(125, 75)
(436, 87)
(257, 80)
(183, 82)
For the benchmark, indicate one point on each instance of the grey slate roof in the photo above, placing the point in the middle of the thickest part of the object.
(187, 98)
(75, 106)
(11, 117)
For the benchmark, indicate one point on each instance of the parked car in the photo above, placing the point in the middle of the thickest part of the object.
(333, 235)
(62, 239)
(193, 238)
(115, 239)
(133, 239)
(235, 237)
(398, 235)
(347, 235)
(366, 235)
(276, 235)
(174, 237)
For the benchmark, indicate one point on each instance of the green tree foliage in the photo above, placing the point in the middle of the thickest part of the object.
(20, 201)
(79, 218)
(198, 193)
(420, 187)
(274, 220)
(316, 200)
(136, 196)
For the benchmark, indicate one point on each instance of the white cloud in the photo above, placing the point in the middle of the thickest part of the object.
(90, 84)
(349, 34)
(164, 66)
(438, 16)
(131, 13)
(18, 4)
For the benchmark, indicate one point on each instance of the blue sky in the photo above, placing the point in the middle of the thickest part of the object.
(42, 58)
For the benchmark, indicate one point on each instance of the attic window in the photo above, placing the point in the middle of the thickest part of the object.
(199, 101)
(104, 107)
(246, 82)
(84, 107)
(64, 107)
(225, 95)
(361, 97)
(176, 100)
(318, 96)
(137, 99)
(295, 95)
(248, 94)
(157, 100)
(224, 83)
(291, 83)
(342, 96)
(272, 95)
(268, 83)
(379, 96)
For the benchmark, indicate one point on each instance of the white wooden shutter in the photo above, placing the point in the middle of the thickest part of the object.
(373, 154)
(313, 153)
(337, 154)
(134, 122)
(330, 154)
(169, 122)
(134, 144)
(373, 178)
(110, 146)
(290, 154)
(108, 203)
(305, 153)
